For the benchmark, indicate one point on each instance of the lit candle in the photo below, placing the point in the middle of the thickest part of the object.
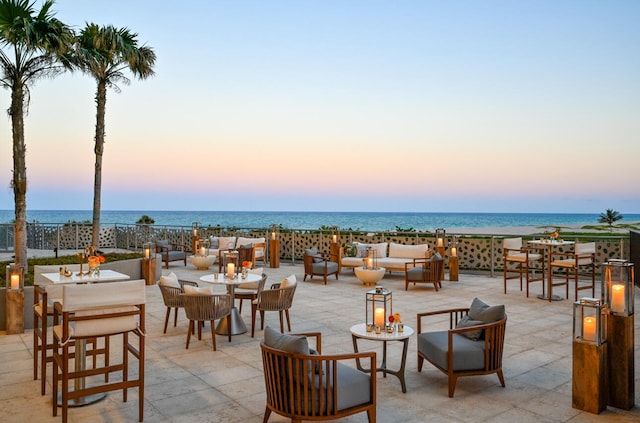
(370, 263)
(231, 269)
(454, 251)
(335, 239)
(195, 231)
(589, 329)
(147, 253)
(202, 251)
(617, 298)
(440, 242)
(15, 281)
(379, 318)
(273, 235)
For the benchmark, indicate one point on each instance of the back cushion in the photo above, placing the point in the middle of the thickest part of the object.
(170, 280)
(288, 343)
(408, 251)
(226, 242)
(484, 312)
(512, 243)
(289, 281)
(193, 290)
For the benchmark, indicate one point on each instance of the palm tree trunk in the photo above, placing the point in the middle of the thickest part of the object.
(19, 182)
(101, 103)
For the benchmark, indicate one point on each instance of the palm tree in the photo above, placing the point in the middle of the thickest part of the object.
(609, 217)
(31, 43)
(105, 52)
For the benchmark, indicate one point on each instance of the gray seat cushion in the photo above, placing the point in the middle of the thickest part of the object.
(353, 386)
(332, 267)
(414, 274)
(467, 355)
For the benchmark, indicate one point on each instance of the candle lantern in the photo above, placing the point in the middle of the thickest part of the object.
(379, 306)
(15, 277)
(454, 245)
(274, 231)
(440, 237)
(335, 234)
(203, 246)
(149, 250)
(589, 322)
(617, 287)
(194, 229)
(371, 260)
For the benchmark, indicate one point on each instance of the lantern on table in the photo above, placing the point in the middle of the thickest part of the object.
(440, 237)
(378, 308)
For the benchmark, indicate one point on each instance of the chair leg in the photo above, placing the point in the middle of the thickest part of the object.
(175, 317)
(267, 413)
(281, 321)
(213, 333)
(261, 319)
(371, 415)
(420, 363)
(166, 319)
(254, 309)
(189, 333)
(240, 309)
(452, 384)
(501, 377)
(286, 312)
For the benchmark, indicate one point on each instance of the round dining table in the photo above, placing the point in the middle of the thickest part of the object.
(237, 324)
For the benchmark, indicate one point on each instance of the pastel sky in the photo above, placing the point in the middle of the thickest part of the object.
(349, 105)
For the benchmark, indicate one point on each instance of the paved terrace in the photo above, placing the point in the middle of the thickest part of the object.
(199, 385)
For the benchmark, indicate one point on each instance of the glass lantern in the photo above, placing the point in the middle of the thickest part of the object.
(335, 234)
(454, 245)
(370, 262)
(617, 287)
(203, 247)
(589, 322)
(149, 250)
(15, 277)
(275, 232)
(379, 306)
(440, 237)
(194, 229)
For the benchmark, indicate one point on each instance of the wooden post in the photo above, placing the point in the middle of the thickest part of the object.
(589, 377)
(274, 253)
(620, 357)
(334, 251)
(15, 311)
(453, 268)
(194, 244)
(149, 270)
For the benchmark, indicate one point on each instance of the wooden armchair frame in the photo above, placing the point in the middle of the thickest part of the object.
(296, 397)
(165, 251)
(493, 346)
(572, 263)
(274, 299)
(432, 271)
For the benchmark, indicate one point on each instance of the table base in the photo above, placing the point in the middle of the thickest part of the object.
(554, 297)
(383, 366)
(82, 401)
(237, 324)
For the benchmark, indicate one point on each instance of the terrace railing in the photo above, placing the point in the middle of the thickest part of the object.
(476, 252)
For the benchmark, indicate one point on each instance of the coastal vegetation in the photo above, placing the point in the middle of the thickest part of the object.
(610, 217)
(145, 220)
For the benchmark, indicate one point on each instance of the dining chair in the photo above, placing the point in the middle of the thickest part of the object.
(228, 256)
(201, 306)
(171, 297)
(250, 290)
(584, 256)
(513, 252)
(279, 298)
(98, 311)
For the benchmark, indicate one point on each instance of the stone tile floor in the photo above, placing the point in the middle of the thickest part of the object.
(199, 385)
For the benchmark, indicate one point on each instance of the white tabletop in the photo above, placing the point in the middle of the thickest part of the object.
(104, 276)
(224, 280)
(360, 330)
(550, 242)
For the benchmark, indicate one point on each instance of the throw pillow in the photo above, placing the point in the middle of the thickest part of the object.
(350, 250)
(362, 250)
(193, 290)
(288, 343)
(465, 322)
(313, 252)
(484, 312)
(435, 257)
(288, 281)
(246, 246)
(214, 243)
(170, 280)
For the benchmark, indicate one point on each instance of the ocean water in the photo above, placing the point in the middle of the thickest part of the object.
(373, 221)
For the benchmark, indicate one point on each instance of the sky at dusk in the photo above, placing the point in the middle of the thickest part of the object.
(349, 105)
